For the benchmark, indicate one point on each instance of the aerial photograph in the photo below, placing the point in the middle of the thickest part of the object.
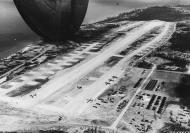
(95, 66)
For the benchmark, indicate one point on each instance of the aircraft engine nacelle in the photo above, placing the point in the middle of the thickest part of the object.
(53, 19)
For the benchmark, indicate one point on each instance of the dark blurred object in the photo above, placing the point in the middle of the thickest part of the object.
(53, 19)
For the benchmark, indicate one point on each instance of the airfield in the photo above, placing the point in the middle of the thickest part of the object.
(94, 86)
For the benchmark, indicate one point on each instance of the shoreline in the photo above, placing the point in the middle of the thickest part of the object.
(10, 50)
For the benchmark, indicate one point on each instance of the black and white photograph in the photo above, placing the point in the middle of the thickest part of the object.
(95, 66)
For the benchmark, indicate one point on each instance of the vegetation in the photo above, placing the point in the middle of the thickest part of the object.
(161, 13)
(92, 32)
(182, 90)
(177, 52)
(181, 38)
(164, 13)
(169, 127)
(144, 64)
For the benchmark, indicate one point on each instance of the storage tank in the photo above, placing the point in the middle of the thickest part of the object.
(53, 19)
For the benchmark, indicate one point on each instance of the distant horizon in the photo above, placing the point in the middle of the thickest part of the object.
(98, 9)
(105, 8)
(12, 23)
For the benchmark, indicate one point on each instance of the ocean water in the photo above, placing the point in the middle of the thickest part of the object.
(100, 9)
(15, 34)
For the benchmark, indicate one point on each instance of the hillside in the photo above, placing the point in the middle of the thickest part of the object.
(165, 13)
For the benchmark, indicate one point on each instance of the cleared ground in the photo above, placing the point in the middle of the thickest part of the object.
(79, 78)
